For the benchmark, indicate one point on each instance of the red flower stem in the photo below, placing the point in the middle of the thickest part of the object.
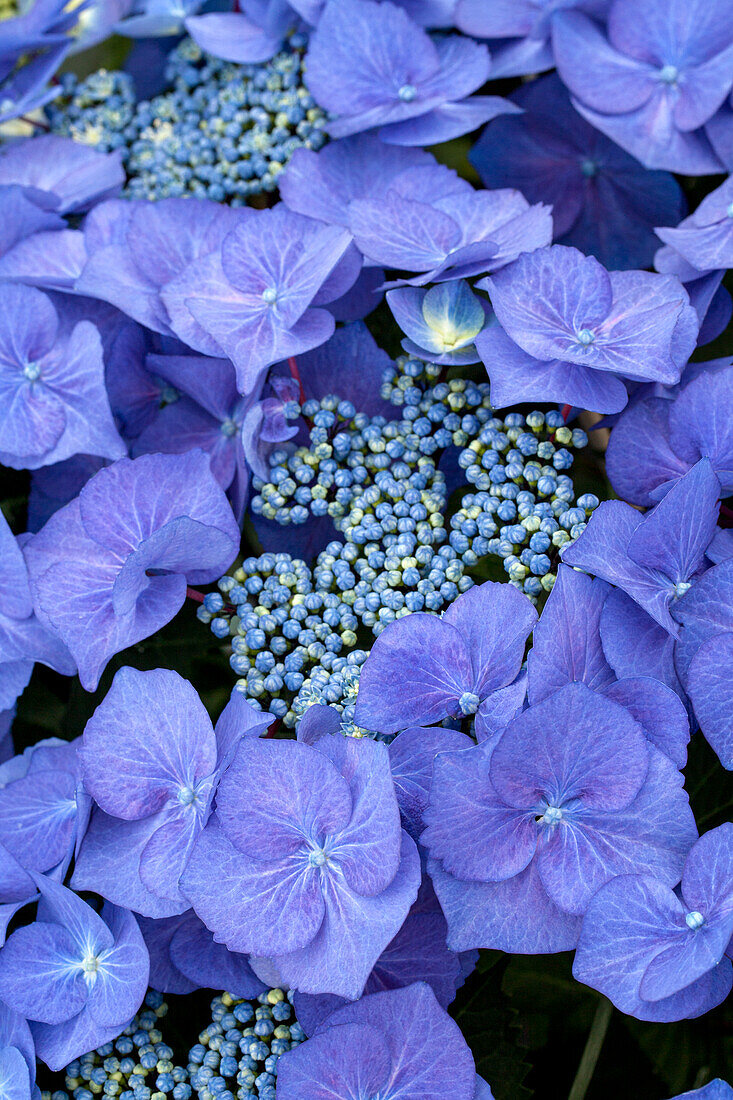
(194, 594)
(295, 373)
(565, 412)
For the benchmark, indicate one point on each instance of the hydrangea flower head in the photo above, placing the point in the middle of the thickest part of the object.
(569, 330)
(653, 558)
(657, 955)
(371, 66)
(52, 386)
(716, 1090)
(304, 861)
(571, 795)
(657, 76)
(603, 201)
(111, 567)
(398, 1045)
(151, 761)
(424, 668)
(77, 976)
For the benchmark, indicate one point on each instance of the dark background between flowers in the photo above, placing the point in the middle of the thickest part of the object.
(525, 1018)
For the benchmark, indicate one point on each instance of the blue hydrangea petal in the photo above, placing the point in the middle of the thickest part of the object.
(402, 233)
(36, 977)
(448, 121)
(495, 621)
(683, 962)
(516, 376)
(628, 922)
(566, 644)
(417, 670)
(515, 915)
(37, 817)
(253, 906)
(707, 880)
(711, 690)
(412, 755)
(231, 35)
(636, 645)
(651, 835)
(367, 848)
(576, 744)
(658, 710)
(498, 709)
(22, 218)
(276, 796)
(463, 802)
(353, 1061)
(704, 611)
(50, 260)
(119, 879)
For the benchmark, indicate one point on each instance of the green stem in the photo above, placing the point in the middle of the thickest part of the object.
(596, 1035)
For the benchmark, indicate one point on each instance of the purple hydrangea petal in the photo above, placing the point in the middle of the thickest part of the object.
(495, 621)
(711, 690)
(276, 795)
(148, 740)
(705, 611)
(51, 260)
(354, 1061)
(350, 364)
(259, 907)
(627, 923)
(36, 975)
(417, 670)
(516, 376)
(566, 644)
(37, 817)
(118, 996)
(231, 35)
(707, 880)
(515, 915)
(448, 121)
(368, 870)
(195, 953)
(576, 743)
(402, 233)
(640, 458)
(412, 755)
(636, 645)
(498, 709)
(354, 933)
(684, 962)
(658, 710)
(650, 836)
(118, 879)
(75, 174)
(463, 803)
(165, 977)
